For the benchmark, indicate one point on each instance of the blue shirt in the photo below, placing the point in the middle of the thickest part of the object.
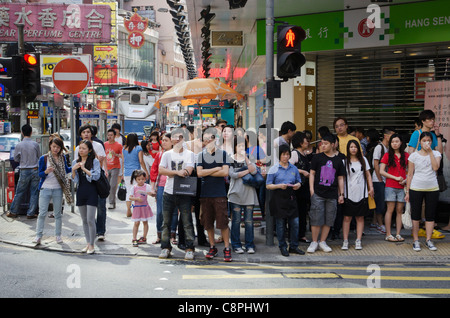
(415, 139)
(280, 175)
(131, 160)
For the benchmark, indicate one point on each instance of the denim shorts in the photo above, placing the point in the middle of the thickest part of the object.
(394, 195)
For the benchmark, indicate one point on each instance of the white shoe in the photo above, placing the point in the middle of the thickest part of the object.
(251, 250)
(312, 247)
(165, 253)
(189, 256)
(324, 247)
(344, 245)
(430, 245)
(239, 250)
(416, 246)
(358, 245)
(59, 240)
(37, 240)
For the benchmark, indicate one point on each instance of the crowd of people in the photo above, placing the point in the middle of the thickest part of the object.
(221, 173)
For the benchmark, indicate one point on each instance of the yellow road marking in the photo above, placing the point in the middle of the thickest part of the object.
(313, 275)
(311, 291)
(362, 268)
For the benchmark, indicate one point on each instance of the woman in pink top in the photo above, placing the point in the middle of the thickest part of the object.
(396, 161)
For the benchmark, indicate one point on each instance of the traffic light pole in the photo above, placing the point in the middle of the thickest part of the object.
(23, 104)
(270, 25)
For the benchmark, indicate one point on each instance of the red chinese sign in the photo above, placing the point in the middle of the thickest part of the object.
(56, 23)
(136, 27)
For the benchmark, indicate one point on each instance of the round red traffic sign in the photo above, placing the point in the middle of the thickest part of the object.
(70, 76)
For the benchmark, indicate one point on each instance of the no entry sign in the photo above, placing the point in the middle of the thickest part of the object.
(70, 76)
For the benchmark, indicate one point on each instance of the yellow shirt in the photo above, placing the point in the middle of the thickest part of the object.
(343, 141)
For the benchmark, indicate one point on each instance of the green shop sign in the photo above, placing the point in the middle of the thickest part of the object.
(414, 23)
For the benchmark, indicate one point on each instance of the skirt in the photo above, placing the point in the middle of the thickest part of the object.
(141, 213)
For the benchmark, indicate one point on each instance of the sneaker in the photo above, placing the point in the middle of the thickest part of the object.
(381, 229)
(324, 247)
(430, 245)
(250, 250)
(358, 245)
(189, 256)
(239, 250)
(312, 247)
(344, 245)
(101, 237)
(227, 255)
(59, 240)
(37, 240)
(212, 253)
(416, 246)
(165, 253)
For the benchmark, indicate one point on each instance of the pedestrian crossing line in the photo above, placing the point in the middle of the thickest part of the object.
(311, 291)
(313, 276)
(362, 268)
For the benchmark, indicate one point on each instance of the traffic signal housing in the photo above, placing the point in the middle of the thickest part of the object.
(11, 75)
(289, 51)
(31, 74)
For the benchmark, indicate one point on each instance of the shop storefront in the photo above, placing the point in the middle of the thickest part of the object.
(373, 74)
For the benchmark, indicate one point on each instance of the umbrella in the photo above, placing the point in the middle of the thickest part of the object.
(198, 91)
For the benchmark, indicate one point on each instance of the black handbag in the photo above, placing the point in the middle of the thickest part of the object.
(102, 185)
(122, 192)
(185, 186)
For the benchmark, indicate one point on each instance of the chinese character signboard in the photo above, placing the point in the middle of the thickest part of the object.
(136, 27)
(56, 23)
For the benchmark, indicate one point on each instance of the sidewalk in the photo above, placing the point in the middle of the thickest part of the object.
(21, 231)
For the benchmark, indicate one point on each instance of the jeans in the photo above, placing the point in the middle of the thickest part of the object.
(183, 203)
(45, 196)
(101, 216)
(159, 213)
(378, 188)
(236, 210)
(280, 224)
(28, 181)
(113, 177)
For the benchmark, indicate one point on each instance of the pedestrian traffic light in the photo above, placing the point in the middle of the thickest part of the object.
(31, 75)
(289, 53)
(11, 74)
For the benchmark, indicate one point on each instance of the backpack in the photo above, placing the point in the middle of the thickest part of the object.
(102, 185)
(369, 156)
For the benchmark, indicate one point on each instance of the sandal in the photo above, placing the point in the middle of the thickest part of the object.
(399, 238)
(391, 238)
(135, 243)
(142, 240)
(437, 235)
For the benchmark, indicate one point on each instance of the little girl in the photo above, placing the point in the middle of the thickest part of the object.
(141, 208)
(155, 144)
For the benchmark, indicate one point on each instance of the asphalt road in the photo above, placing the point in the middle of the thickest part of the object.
(30, 273)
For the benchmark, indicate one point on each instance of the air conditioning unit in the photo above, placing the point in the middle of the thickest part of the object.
(138, 98)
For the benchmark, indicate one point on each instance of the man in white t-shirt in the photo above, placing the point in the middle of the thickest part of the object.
(378, 180)
(178, 162)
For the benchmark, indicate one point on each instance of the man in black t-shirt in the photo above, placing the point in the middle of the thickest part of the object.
(326, 182)
(212, 167)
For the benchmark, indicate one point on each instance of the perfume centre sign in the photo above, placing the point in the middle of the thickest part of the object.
(56, 23)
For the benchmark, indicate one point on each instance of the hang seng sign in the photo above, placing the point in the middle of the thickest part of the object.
(56, 23)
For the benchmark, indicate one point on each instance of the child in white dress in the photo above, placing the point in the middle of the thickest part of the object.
(141, 209)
